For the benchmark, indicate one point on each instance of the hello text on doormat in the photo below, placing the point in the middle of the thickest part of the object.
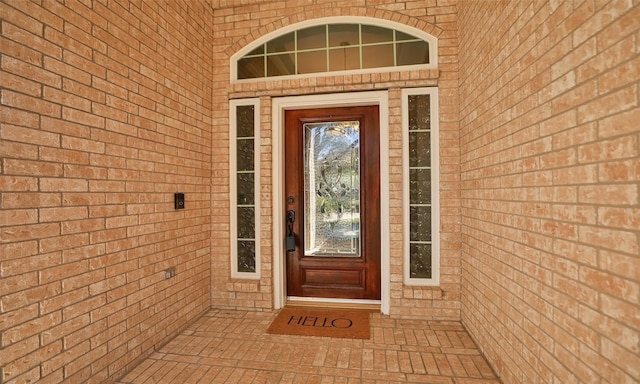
(321, 322)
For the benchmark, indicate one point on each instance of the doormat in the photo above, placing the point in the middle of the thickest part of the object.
(321, 322)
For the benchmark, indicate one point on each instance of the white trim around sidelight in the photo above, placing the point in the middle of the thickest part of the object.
(435, 187)
(233, 187)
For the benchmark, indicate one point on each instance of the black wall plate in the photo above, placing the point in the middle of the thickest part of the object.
(178, 199)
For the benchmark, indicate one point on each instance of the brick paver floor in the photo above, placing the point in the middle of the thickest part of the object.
(233, 347)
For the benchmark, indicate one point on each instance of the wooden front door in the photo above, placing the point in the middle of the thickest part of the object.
(332, 193)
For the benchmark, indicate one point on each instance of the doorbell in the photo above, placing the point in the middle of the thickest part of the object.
(178, 200)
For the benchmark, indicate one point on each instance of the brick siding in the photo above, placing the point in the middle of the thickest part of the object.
(104, 114)
(109, 107)
(550, 170)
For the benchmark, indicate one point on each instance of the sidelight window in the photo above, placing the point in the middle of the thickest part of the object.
(421, 175)
(244, 188)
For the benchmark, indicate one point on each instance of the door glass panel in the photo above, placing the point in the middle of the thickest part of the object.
(332, 189)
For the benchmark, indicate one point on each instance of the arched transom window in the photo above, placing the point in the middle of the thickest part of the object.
(334, 47)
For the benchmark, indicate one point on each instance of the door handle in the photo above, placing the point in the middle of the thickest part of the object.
(291, 237)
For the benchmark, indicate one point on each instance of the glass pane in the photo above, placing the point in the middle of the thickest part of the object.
(246, 223)
(377, 56)
(341, 59)
(251, 68)
(420, 223)
(419, 149)
(416, 52)
(280, 65)
(419, 112)
(257, 51)
(244, 155)
(312, 62)
(245, 189)
(246, 256)
(285, 43)
(342, 35)
(373, 34)
(420, 186)
(332, 188)
(312, 38)
(404, 36)
(244, 120)
(420, 261)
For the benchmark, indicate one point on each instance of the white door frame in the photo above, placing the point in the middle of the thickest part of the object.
(279, 106)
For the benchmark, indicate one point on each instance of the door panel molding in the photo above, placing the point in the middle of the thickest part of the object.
(279, 106)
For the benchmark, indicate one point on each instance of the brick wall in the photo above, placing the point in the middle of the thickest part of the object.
(550, 195)
(108, 109)
(105, 112)
(237, 24)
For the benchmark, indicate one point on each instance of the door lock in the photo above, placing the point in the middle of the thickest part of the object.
(291, 237)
